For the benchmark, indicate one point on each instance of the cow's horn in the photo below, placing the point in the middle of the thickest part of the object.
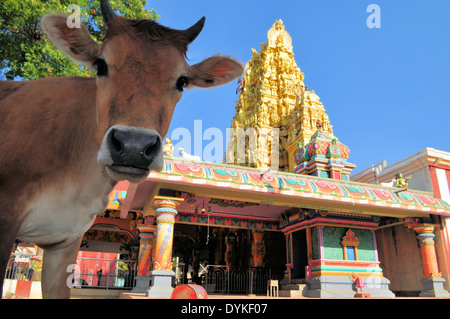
(107, 12)
(195, 30)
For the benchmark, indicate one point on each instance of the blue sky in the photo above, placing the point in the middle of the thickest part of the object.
(386, 90)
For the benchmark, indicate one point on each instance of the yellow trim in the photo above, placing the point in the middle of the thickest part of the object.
(177, 199)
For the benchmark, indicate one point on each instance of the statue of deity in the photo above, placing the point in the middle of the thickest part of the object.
(168, 147)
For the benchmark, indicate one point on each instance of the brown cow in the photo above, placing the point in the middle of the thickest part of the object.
(65, 142)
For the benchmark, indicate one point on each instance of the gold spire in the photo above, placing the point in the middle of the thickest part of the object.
(273, 95)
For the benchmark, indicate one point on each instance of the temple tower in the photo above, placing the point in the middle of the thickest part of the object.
(273, 95)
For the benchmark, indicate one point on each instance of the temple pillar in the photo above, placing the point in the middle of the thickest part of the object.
(432, 279)
(229, 252)
(147, 238)
(162, 272)
(258, 248)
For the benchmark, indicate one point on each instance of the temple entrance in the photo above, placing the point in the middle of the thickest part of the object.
(300, 255)
(221, 259)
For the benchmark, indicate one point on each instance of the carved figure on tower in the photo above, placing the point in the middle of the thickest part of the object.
(168, 147)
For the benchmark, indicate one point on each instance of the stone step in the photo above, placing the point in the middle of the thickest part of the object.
(285, 281)
(291, 293)
(292, 290)
(77, 293)
(292, 286)
(298, 281)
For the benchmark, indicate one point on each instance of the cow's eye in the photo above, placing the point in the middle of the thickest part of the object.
(101, 66)
(182, 82)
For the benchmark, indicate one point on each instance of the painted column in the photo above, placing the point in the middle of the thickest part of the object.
(425, 235)
(258, 248)
(147, 238)
(432, 278)
(229, 253)
(287, 273)
(320, 235)
(165, 219)
(162, 253)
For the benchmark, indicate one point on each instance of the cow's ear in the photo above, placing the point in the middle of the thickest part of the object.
(73, 40)
(214, 71)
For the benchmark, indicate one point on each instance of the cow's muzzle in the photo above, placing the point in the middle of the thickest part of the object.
(130, 152)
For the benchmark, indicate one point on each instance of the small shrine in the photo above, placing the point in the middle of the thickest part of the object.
(322, 156)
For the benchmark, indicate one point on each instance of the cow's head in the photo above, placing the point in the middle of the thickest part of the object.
(141, 74)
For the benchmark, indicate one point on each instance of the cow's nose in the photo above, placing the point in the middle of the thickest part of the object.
(135, 147)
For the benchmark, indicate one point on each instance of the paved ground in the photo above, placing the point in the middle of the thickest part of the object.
(126, 295)
(129, 295)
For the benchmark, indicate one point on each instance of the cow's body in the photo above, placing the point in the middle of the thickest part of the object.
(75, 187)
(53, 199)
(65, 142)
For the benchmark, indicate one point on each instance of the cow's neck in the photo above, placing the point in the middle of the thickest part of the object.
(73, 188)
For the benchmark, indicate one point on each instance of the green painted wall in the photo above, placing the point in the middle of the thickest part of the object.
(332, 247)
(366, 251)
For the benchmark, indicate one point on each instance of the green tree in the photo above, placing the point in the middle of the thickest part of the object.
(26, 52)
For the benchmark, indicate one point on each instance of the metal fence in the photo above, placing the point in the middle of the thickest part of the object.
(120, 274)
(114, 274)
(227, 280)
(104, 273)
(88, 272)
(24, 267)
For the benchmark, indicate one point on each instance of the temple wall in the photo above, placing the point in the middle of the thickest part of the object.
(332, 237)
(400, 258)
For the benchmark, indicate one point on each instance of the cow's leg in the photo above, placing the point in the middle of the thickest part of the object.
(8, 232)
(55, 274)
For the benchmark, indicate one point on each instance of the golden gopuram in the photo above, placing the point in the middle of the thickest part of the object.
(273, 95)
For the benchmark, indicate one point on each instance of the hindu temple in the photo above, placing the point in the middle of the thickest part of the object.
(300, 222)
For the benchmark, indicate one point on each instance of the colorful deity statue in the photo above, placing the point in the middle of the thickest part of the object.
(168, 147)
(402, 182)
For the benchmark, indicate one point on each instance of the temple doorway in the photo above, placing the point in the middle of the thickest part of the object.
(299, 254)
(221, 259)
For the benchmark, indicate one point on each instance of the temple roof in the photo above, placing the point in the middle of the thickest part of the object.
(281, 189)
(325, 148)
(322, 143)
(273, 95)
